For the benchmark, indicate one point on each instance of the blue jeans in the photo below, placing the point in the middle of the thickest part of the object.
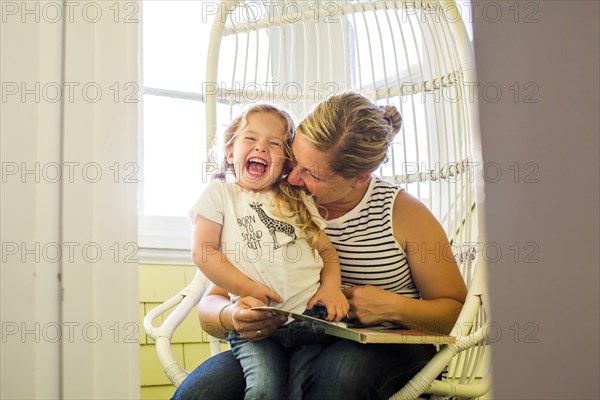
(219, 378)
(342, 370)
(275, 368)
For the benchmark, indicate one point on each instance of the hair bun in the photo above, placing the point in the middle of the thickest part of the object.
(393, 117)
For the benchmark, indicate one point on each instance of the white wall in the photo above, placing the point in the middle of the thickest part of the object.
(29, 132)
(68, 318)
(548, 309)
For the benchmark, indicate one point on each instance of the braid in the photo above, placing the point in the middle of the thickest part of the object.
(293, 198)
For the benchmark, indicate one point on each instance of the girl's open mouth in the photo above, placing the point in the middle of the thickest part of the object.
(256, 166)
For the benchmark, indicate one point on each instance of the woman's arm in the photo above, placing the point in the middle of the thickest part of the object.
(433, 269)
(213, 264)
(330, 287)
(218, 316)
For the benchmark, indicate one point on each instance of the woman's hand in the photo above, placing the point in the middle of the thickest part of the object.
(250, 324)
(370, 305)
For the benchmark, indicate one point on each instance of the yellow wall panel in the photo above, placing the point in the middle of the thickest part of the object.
(151, 372)
(142, 333)
(189, 331)
(160, 282)
(194, 354)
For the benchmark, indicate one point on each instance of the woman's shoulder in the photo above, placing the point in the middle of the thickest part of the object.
(409, 207)
(412, 218)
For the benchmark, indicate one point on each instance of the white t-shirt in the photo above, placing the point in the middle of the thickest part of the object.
(266, 248)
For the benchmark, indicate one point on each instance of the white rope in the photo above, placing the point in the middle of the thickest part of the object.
(176, 374)
(448, 172)
(467, 255)
(418, 386)
(238, 93)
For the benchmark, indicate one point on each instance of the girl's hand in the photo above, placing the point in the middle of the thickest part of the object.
(259, 292)
(334, 300)
(369, 305)
(251, 325)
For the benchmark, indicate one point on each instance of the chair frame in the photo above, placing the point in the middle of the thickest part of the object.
(471, 328)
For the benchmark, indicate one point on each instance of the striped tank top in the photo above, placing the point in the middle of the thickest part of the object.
(364, 239)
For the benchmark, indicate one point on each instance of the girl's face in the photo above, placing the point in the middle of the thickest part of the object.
(257, 153)
(312, 171)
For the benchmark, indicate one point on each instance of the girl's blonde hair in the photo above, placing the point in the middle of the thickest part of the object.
(288, 199)
(352, 131)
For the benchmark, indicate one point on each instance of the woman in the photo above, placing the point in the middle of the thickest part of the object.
(391, 252)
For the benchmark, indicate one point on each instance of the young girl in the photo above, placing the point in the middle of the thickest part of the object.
(258, 236)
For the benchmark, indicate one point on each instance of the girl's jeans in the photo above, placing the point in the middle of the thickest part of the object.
(275, 367)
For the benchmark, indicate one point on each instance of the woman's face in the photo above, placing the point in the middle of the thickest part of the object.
(311, 170)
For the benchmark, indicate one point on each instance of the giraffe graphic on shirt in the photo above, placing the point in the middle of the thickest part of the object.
(273, 225)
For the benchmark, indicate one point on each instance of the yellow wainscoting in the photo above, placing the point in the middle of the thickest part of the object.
(190, 344)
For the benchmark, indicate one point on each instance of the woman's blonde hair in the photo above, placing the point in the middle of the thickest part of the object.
(288, 199)
(352, 131)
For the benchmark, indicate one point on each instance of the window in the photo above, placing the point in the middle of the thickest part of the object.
(175, 39)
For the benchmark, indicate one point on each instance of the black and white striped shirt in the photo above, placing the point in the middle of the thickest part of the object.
(364, 239)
